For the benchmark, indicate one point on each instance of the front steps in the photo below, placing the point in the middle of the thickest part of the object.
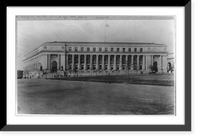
(58, 74)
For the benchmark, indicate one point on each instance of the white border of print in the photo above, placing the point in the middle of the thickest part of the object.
(91, 119)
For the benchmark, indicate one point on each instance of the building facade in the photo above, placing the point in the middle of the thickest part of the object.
(84, 57)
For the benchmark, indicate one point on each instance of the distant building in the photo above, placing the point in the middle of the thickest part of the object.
(19, 74)
(102, 56)
(170, 62)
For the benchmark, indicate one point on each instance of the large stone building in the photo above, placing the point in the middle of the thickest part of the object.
(84, 57)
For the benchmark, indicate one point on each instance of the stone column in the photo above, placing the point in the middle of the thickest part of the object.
(47, 62)
(85, 62)
(126, 62)
(138, 64)
(164, 63)
(72, 61)
(59, 61)
(144, 57)
(97, 63)
(91, 62)
(50, 62)
(79, 60)
(120, 62)
(58, 64)
(132, 56)
(146, 64)
(63, 61)
(143, 62)
(66, 62)
(114, 67)
(108, 62)
(102, 61)
(152, 60)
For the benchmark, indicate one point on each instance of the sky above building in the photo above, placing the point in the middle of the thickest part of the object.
(33, 33)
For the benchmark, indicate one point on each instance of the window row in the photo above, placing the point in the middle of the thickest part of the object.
(88, 49)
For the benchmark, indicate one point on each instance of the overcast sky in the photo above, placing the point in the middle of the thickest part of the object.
(31, 34)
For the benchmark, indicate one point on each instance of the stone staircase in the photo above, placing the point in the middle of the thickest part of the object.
(60, 74)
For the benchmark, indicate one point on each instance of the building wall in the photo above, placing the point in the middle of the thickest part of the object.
(33, 64)
(165, 63)
(44, 61)
(49, 52)
(149, 63)
(63, 61)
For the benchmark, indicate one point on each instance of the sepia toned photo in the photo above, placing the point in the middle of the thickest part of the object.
(96, 65)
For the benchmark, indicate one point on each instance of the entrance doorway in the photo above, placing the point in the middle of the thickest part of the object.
(155, 66)
(54, 66)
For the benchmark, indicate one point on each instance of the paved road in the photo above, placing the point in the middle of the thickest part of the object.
(40, 96)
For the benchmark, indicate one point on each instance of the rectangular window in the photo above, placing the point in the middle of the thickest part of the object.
(129, 49)
(106, 49)
(135, 50)
(141, 50)
(117, 49)
(94, 49)
(76, 49)
(100, 49)
(88, 49)
(112, 49)
(70, 48)
(124, 49)
(82, 49)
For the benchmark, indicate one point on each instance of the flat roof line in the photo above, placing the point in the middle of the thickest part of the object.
(91, 43)
(105, 42)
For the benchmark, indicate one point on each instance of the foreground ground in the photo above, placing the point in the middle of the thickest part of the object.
(40, 96)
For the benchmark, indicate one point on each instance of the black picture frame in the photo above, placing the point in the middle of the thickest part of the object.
(185, 127)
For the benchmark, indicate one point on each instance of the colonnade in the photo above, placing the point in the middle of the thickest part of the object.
(106, 62)
(85, 62)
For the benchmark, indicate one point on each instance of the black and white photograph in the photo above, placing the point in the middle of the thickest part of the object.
(96, 65)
